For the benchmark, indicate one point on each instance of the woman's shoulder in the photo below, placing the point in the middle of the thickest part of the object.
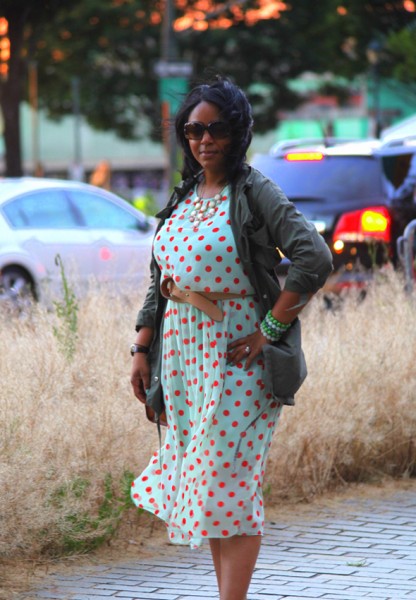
(252, 177)
(259, 185)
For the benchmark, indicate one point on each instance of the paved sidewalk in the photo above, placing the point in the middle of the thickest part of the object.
(360, 549)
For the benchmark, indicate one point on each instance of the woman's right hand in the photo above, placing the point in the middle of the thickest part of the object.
(140, 376)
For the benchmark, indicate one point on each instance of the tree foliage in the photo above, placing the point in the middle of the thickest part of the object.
(111, 47)
(401, 46)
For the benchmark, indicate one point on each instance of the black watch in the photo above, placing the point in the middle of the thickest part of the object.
(134, 348)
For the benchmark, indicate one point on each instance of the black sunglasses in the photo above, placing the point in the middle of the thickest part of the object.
(194, 130)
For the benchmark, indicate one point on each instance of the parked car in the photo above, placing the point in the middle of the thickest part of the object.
(351, 192)
(96, 233)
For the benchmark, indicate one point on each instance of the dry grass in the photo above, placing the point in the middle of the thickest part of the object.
(65, 427)
(355, 417)
(70, 430)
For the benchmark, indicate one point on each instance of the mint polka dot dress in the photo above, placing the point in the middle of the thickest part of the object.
(206, 481)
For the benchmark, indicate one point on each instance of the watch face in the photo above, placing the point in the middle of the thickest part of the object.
(135, 348)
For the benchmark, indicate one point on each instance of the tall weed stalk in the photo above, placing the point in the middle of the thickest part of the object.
(67, 313)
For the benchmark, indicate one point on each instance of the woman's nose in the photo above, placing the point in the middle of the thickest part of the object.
(206, 137)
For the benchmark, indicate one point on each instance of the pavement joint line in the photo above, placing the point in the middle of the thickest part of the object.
(367, 553)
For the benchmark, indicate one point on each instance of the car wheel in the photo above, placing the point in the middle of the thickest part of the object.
(16, 289)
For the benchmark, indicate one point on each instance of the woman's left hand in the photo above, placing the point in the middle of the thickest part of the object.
(248, 348)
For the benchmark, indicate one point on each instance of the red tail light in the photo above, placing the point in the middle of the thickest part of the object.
(364, 225)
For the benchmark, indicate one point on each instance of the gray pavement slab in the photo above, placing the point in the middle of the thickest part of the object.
(358, 549)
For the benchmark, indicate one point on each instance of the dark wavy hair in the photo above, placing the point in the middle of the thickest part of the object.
(234, 108)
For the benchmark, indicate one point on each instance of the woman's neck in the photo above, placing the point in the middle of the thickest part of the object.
(211, 184)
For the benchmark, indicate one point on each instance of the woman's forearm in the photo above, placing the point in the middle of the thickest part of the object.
(289, 305)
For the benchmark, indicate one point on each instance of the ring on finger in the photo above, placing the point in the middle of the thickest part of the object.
(247, 349)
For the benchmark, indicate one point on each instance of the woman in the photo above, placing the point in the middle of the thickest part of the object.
(212, 309)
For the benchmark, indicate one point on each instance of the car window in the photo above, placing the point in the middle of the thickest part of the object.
(345, 177)
(44, 209)
(397, 167)
(100, 213)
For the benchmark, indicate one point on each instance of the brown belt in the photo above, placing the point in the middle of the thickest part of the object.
(201, 300)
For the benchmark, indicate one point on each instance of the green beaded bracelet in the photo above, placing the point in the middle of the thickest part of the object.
(270, 336)
(272, 320)
(272, 328)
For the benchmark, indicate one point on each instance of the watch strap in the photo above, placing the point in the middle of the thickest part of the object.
(136, 348)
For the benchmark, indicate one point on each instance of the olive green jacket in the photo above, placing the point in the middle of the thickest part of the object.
(262, 220)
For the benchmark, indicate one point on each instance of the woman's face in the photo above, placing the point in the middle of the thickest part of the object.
(210, 151)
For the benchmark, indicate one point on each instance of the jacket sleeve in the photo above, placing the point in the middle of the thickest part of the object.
(297, 238)
(147, 315)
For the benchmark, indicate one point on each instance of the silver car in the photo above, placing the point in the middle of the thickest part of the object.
(98, 236)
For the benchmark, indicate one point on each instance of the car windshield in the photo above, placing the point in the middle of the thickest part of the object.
(345, 177)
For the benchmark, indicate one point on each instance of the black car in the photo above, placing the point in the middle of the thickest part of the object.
(354, 192)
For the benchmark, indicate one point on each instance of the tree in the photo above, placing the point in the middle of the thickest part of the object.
(319, 37)
(10, 88)
(111, 47)
(401, 46)
(19, 14)
(100, 43)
